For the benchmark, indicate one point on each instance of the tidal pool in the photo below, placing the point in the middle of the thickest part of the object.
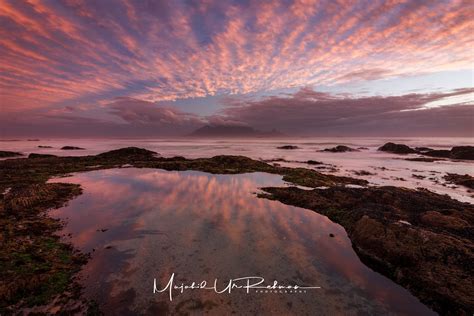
(146, 224)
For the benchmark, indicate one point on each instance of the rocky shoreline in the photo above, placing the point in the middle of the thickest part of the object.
(422, 240)
(455, 153)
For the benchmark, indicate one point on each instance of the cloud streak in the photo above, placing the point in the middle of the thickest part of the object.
(304, 113)
(75, 51)
(308, 112)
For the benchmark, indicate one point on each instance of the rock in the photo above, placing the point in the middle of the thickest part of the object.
(436, 219)
(363, 173)
(331, 235)
(340, 149)
(423, 149)
(464, 180)
(288, 147)
(71, 148)
(438, 153)
(397, 148)
(34, 155)
(457, 152)
(127, 152)
(42, 146)
(7, 154)
(462, 152)
(423, 159)
(314, 162)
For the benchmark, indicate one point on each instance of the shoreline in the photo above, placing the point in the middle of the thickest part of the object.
(25, 180)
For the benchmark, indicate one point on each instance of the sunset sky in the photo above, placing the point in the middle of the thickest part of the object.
(158, 68)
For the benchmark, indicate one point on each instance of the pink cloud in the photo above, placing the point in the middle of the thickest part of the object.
(309, 112)
(67, 51)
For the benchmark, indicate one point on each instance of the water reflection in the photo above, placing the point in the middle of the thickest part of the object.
(143, 224)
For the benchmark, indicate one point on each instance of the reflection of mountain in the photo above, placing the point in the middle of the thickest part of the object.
(232, 131)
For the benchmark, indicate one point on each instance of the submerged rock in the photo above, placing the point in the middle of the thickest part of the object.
(363, 173)
(71, 148)
(340, 149)
(7, 154)
(42, 146)
(288, 147)
(397, 148)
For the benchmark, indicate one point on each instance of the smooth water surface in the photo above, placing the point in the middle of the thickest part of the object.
(142, 224)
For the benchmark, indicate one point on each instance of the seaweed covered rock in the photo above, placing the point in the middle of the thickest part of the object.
(397, 148)
(35, 265)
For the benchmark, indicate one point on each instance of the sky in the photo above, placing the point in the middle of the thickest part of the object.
(126, 68)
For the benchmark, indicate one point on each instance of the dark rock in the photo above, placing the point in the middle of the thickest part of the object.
(457, 152)
(397, 148)
(340, 149)
(34, 155)
(363, 173)
(424, 159)
(42, 146)
(423, 149)
(7, 154)
(127, 152)
(462, 152)
(71, 148)
(418, 176)
(331, 235)
(288, 147)
(464, 180)
(314, 162)
(438, 153)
